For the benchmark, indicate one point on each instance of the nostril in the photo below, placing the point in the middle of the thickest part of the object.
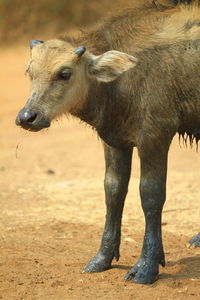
(27, 116)
(30, 116)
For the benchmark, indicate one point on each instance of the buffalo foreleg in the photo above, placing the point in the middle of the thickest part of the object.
(118, 168)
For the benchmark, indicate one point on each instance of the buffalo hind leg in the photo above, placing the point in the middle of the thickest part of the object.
(153, 193)
(118, 168)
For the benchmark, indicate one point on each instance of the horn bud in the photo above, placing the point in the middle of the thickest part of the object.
(80, 51)
(34, 43)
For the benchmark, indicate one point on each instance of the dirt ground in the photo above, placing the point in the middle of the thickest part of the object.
(52, 210)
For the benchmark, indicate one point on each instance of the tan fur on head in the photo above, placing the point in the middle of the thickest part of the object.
(52, 55)
(56, 96)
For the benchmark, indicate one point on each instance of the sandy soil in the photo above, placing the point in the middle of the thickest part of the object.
(50, 182)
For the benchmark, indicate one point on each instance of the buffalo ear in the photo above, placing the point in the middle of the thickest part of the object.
(34, 43)
(108, 66)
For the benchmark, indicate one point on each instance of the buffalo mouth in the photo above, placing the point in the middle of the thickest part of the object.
(31, 120)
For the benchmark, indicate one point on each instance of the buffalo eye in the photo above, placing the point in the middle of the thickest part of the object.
(64, 74)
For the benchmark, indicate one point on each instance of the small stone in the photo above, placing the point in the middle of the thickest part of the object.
(50, 172)
(128, 239)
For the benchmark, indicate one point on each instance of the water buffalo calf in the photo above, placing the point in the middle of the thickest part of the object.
(135, 80)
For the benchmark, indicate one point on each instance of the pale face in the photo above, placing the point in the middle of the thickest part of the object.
(60, 76)
(58, 79)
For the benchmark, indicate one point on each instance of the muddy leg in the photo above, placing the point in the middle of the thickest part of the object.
(118, 168)
(153, 193)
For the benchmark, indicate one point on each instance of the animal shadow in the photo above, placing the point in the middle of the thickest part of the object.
(190, 269)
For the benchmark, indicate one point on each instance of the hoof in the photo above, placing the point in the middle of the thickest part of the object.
(142, 275)
(97, 264)
(195, 241)
(144, 271)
